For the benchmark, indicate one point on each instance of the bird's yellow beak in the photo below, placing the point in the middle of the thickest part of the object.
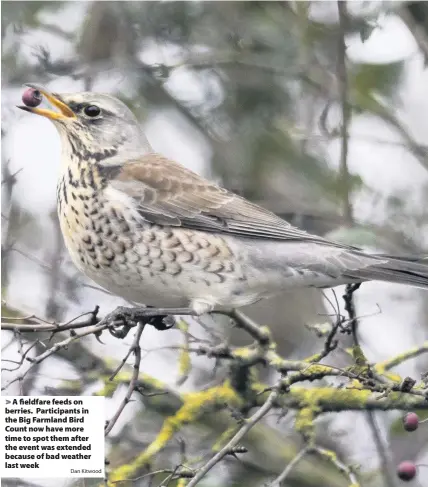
(54, 99)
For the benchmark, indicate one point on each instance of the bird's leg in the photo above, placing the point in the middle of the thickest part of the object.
(160, 318)
(201, 306)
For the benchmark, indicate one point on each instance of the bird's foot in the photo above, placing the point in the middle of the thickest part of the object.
(123, 318)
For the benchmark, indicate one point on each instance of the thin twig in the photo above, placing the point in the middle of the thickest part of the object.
(259, 333)
(345, 469)
(249, 423)
(136, 349)
(36, 324)
(23, 356)
(386, 462)
(287, 470)
(95, 329)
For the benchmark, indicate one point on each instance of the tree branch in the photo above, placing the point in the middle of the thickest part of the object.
(346, 112)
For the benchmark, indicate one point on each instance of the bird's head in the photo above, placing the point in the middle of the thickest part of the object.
(92, 126)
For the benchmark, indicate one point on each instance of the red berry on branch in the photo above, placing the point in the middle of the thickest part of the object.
(31, 97)
(406, 471)
(411, 421)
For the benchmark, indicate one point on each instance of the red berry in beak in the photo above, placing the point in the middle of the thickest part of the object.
(32, 98)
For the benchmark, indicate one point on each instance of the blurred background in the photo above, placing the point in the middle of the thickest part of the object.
(320, 117)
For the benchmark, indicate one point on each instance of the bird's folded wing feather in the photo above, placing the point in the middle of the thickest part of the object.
(169, 194)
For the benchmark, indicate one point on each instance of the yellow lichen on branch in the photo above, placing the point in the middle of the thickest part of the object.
(123, 377)
(224, 438)
(382, 367)
(194, 405)
(304, 423)
(331, 456)
(330, 399)
(369, 387)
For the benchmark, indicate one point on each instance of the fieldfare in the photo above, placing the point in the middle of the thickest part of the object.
(153, 232)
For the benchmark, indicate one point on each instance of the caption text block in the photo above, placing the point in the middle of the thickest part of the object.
(52, 436)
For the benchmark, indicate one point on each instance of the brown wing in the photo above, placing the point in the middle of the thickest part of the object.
(169, 194)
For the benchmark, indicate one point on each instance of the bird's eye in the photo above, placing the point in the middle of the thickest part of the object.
(92, 111)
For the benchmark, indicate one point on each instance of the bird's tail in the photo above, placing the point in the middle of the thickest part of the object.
(403, 270)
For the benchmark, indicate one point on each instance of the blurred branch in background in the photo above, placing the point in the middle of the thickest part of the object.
(267, 89)
(415, 16)
(346, 113)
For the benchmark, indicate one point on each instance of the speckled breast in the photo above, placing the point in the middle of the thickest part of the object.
(132, 257)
